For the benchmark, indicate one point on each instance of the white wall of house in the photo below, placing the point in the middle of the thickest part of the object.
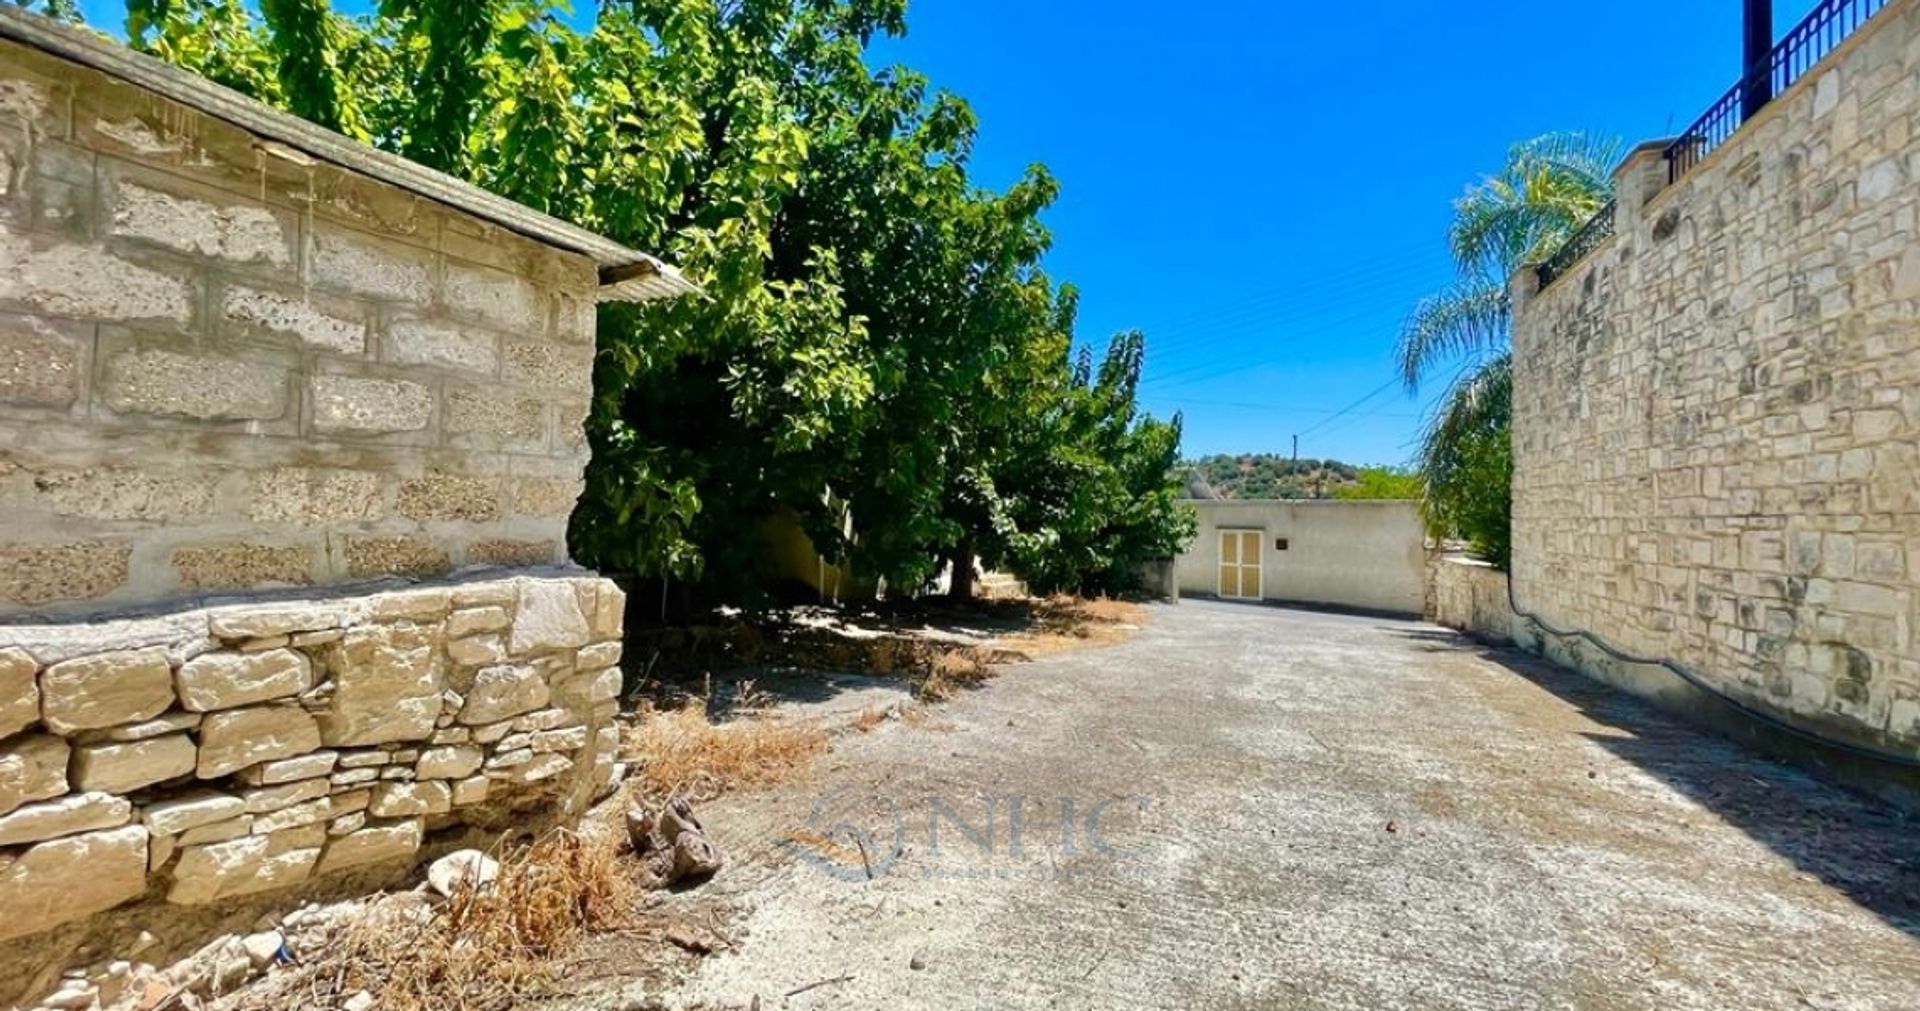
(1369, 554)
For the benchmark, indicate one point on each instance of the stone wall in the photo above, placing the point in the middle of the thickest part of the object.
(214, 753)
(1717, 413)
(1471, 596)
(225, 365)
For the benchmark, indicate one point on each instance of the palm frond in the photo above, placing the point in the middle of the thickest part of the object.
(1469, 317)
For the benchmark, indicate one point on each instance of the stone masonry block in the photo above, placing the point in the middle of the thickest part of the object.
(124, 493)
(442, 345)
(387, 683)
(365, 266)
(19, 691)
(495, 417)
(106, 689)
(397, 556)
(512, 553)
(497, 297)
(86, 282)
(233, 739)
(322, 325)
(373, 844)
(35, 574)
(126, 766)
(353, 404)
(441, 496)
(549, 618)
(201, 226)
(213, 681)
(544, 365)
(203, 388)
(68, 879)
(310, 496)
(545, 497)
(32, 768)
(240, 565)
(42, 362)
(74, 813)
(241, 866)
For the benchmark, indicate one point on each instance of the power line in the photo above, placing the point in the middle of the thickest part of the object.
(1382, 388)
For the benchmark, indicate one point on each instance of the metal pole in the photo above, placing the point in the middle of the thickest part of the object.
(1757, 58)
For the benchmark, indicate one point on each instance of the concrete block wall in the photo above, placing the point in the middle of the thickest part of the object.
(226, 366)
(1717, 413)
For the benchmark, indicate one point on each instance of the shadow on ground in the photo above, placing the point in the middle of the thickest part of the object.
(1860, 846)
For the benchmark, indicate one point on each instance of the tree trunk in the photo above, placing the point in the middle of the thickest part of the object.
(960, 586)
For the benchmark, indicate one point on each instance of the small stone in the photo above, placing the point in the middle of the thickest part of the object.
(169, 723)
(263, 949)
(266, 622)
(471, 790)
(450, 762)
(462, 869)
(477, 651)
(540, 768)
(404, 800)
(106, 689)
(75, 813)
(67, 879)
(239, 867)
(288, 770)
(219, 831)
(502, 692)
(571, 739)
(204, 807)
(548, 618)
(916, 963)
(19, 691)
(469, 621)
(233, 739)
(32, 768)
(362, 1001)
(598, 655)
(213, 681)
(124, 767)
(376, 844)
(546, 719)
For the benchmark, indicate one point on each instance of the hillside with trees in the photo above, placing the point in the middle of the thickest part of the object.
(1271, 476)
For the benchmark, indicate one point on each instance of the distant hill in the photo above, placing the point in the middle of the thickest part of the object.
(1267, 475)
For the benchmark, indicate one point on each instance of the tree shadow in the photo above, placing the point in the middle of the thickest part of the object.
(1862, 847)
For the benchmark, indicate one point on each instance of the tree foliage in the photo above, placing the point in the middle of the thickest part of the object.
(1547, 189)
(877, 330)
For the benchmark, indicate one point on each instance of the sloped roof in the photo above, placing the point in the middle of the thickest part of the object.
(626, 275)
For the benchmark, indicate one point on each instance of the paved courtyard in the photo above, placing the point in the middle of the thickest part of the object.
(1315, 811)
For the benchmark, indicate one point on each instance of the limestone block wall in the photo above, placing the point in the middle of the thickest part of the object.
(225, 365)
(215, 753)
(1717, 413)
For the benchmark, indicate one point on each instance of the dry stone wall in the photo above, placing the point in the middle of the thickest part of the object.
(225, 366)
(221, 752)
(1717, 413)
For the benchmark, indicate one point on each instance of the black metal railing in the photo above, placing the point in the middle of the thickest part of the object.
(1598, 229)
(1819, 33)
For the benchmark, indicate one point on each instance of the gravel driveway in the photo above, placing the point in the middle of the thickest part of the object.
(1282, 809)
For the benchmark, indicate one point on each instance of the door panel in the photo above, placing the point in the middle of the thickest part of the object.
(1240, 564)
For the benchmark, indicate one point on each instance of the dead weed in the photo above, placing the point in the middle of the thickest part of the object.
(681, 753)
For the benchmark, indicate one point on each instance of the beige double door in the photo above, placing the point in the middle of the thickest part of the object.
(1240, 564)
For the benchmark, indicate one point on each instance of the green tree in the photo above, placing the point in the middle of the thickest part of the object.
(1382, 483)
(1547, 189)
(876, 329)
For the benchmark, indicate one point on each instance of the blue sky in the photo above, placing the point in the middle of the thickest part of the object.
(1264, 189)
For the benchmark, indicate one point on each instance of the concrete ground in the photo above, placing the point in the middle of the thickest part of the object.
(1339, 812)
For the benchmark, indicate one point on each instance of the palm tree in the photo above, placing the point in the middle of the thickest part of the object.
(1549, 187)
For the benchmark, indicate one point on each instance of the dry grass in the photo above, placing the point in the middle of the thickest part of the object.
(954, 671)
(680, 753)
(482, 950)
(867, 719)
(1062, 623)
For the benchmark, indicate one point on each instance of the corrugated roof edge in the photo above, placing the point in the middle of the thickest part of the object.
(627, 275)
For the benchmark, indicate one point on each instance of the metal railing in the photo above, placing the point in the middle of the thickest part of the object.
(1598, 229)
(1819, 33)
